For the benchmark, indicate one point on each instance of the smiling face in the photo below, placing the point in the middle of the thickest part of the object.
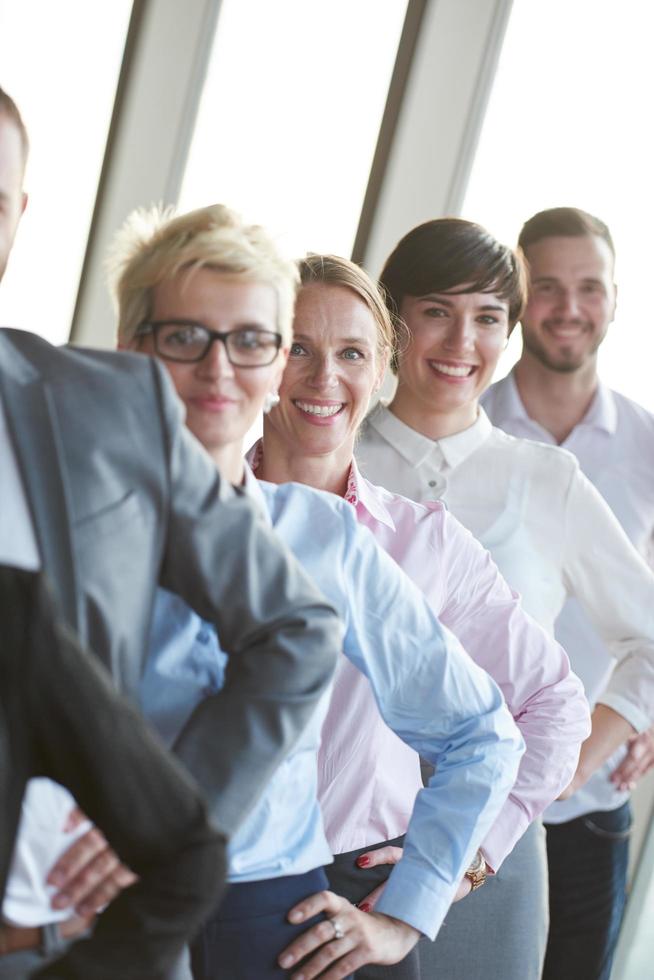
(222, 401)
(571, 300)
(455, 343)
(333, 369)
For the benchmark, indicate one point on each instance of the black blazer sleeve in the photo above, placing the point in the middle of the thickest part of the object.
(66, 722)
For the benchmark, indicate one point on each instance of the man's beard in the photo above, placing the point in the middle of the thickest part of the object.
(564, 361)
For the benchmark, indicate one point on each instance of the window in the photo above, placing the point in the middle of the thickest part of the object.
(60, 63)
(289, 118)
(568, 123)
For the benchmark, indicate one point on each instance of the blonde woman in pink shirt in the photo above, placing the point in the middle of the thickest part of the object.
(368, 779)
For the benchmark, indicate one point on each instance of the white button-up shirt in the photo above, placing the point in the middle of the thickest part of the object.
(552, 536)
(614, 444)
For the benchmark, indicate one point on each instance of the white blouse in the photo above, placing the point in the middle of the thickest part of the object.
(551, 533)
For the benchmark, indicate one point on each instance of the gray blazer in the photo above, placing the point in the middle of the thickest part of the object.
(123, 498)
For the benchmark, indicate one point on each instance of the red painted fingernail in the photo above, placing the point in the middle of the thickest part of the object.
(363, 861)
(365, 907)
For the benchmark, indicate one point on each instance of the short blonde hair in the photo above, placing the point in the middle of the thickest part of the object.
(333, 270)
(155, 244)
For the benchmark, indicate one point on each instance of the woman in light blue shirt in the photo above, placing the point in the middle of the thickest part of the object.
(214, 300)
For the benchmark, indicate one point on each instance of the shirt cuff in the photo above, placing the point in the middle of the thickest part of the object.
(407, 896)
(504, 834)
(629, 711)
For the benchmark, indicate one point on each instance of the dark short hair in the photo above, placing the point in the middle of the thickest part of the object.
(564, 222)
(446, 254)
(9, 108)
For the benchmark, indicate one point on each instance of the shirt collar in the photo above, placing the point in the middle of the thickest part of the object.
(602, 412)
(416, 448)
(507, 401)
(359, 492)
(458, 447)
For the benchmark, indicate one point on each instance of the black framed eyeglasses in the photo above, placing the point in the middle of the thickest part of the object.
(188, 341)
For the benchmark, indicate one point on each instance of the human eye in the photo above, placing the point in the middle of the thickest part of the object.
(181, 335)
(352, 354)
(250, 339)
(297, 350)
(592, 288)
(544, 288)
(488, 320)
(434, 312)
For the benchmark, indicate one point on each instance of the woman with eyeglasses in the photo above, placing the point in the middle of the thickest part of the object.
(212, 298)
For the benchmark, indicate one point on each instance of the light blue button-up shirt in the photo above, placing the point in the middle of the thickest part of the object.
(427, 688)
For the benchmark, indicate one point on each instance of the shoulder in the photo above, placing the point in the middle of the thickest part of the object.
(75, 362)
(531, 456)
(113, 371)
(302, 499)
(632, 414)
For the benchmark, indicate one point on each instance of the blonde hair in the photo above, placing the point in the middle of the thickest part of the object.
(333, 270)
(154, 245)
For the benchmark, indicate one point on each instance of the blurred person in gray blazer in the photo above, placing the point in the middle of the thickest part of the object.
(105, 490)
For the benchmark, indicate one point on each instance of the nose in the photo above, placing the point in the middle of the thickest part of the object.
(215, 363)
(569, 304)
(460, 334)
(324, 375)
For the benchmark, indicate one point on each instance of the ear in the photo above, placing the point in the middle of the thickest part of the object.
(23, 203)
(615, 302)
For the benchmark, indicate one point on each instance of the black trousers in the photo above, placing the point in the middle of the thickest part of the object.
(249, 930)
(588, 860)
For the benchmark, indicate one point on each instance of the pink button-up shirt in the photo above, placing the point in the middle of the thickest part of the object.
(368, 778)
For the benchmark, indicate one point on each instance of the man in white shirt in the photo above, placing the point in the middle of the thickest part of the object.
(554, 395)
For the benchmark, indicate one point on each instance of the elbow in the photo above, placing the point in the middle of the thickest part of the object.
(322, 637)
(511, 745)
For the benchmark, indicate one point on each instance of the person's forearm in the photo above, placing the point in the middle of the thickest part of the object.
(451, 817)
(610, 730)
(554, 724)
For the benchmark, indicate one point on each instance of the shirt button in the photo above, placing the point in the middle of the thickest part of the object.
(433, 483)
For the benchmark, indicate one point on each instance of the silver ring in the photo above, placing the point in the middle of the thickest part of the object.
(338, 929)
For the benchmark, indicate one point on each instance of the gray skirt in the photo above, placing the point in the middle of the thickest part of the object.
(500, 930)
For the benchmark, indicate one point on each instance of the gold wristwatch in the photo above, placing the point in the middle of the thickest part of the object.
(476, 873)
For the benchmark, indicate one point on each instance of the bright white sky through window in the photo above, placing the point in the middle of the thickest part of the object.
(290, 115)
(60, 62)
(570, 123)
